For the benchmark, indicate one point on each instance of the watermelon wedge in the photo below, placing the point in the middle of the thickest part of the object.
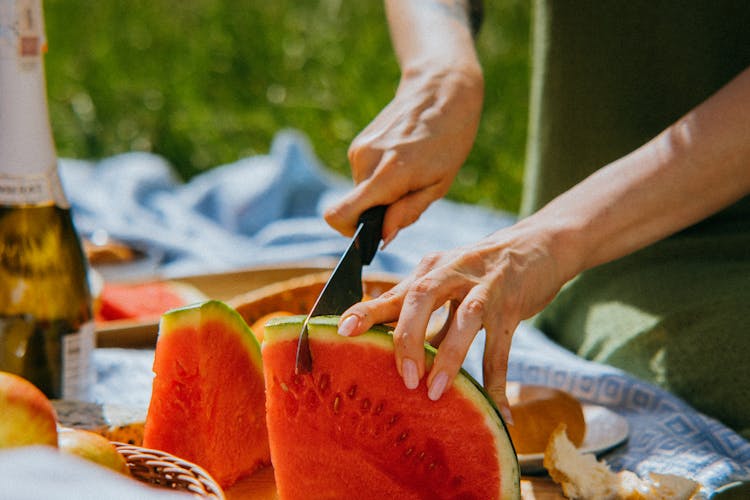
(350, 429)
(208, 400)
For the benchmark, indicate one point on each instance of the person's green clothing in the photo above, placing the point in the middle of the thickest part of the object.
(608, 76)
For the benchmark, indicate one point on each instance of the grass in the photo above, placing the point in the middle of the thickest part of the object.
(206, 82)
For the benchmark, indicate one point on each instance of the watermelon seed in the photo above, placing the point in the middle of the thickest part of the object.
(365, 404)
(402, 436)
(379, 408)
(352, 391)
(409, 452)
(431, 466)
(336, 403)
(284, 387)
(298, 380)
(324, 383)
(421, 455)
(393, 419)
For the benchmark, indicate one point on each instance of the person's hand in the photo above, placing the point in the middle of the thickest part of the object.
(408, 156)
(494, 284)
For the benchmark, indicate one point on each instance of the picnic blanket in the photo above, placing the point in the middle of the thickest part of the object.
(267, 209)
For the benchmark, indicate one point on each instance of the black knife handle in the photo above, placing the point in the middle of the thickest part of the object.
(372, 232)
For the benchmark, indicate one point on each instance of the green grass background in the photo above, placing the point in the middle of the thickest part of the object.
(205, 82)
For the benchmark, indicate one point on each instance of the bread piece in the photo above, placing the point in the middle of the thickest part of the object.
(537, 410)
(583, 477)
(109, 252)
(115, 422)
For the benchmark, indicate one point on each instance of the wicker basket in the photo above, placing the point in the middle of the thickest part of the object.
(167, 471)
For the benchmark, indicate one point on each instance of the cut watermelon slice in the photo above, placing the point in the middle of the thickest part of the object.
(208, 402)
(144, 301)
(350, 429)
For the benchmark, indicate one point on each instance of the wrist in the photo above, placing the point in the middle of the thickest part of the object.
(461, 65)
(465, 80)
(564, 238)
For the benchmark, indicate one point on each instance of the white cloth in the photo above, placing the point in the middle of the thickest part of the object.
(41, 473)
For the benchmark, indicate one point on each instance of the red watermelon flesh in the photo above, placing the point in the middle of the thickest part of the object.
(143, 300)
(208, 400)
(350, 429)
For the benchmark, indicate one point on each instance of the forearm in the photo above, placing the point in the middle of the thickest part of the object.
(432, 35)
(409, 154)
(693, 169)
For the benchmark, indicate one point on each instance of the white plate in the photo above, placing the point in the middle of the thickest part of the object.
(605, 429)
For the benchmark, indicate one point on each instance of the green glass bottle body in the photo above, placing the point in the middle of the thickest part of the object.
(44, 300)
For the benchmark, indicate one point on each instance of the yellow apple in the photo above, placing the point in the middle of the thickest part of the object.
(93, 447)
(26, 415)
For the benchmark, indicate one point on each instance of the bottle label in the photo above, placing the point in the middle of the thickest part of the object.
(32, 189)
(77, 375)
(21, 29)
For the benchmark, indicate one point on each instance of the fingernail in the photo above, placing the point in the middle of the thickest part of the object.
(348, 326)
(507, 415)
(438, 386)
(410, 374)
(388, 239)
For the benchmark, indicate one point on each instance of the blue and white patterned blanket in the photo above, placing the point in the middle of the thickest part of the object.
(267, 209)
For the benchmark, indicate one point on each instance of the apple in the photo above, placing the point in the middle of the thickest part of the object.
(93, 447)
(26, 415)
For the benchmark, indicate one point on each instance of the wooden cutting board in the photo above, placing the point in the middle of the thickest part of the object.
(219, 286)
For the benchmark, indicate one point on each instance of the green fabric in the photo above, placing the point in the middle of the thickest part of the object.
(608, 76)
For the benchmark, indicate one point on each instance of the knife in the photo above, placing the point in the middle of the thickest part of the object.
(344, 287)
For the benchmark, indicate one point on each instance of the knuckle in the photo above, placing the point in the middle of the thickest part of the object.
(423, 287)
(337, 218)
(388, 295)
(496, 390)
(495, 367)
(362, 155)
(430, 260)
(475, 307)
(473, 259)
(332, 214)
(355, 150)
(403, 340)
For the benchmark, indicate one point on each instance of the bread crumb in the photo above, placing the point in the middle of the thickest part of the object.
(583, 477)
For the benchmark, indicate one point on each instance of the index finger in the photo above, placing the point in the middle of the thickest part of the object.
(362, 316)
(384, 186)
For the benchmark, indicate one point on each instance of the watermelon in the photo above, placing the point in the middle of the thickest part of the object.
(350, 428)
(208, 401)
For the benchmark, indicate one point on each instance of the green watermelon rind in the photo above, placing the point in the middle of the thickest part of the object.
(198, 313)
(381, 336)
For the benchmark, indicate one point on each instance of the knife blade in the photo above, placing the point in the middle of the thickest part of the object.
(344, 287)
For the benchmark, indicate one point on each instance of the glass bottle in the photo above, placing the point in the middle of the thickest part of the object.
(46, 323)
